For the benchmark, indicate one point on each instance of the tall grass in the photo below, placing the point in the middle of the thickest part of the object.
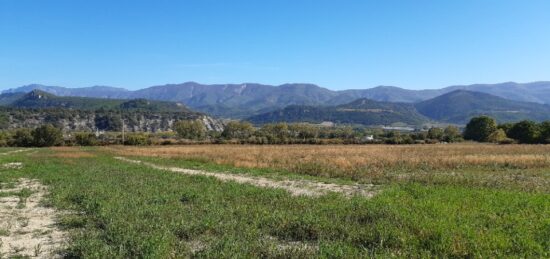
(523, 166)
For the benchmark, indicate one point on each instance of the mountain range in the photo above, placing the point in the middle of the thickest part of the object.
(38, 99)
(362, 111)
(460, 106)
(456, 107)
(244, 100)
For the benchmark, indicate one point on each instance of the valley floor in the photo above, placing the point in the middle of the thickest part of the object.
(463, 200)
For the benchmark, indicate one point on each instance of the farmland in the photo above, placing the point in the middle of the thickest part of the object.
(455, 200)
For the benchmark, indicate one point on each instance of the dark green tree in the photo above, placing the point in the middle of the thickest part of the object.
(47, 136)
(480, 128)
(545, 132)
(22, 138)
(527, 132)
(506, 126)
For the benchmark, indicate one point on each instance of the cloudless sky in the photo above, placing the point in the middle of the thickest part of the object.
(337, 44)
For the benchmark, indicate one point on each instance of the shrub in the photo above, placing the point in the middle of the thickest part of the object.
(22, 138)
(86, 139)
(47, 136)
(452, 134)
(240, 130)
(497, 136)
(190, 129)
(435, 133)
(137, 139)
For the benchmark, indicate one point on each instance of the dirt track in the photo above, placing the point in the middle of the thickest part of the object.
(295, 187)
(27, 229)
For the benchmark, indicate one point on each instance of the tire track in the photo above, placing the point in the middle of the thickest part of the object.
(294, 187)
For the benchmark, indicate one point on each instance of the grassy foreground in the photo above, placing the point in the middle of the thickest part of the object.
(121, 210)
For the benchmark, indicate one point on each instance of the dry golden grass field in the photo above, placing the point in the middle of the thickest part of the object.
(501, 165)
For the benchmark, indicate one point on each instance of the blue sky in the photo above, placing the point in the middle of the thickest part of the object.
(336, 44)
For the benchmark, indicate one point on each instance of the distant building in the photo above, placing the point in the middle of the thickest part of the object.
(368, 138)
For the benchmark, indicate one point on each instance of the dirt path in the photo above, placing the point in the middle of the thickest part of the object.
(28, 229)
(295, 187)
(13, 152)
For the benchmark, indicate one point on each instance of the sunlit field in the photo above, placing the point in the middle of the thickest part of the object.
(463, 200)
(503, 165)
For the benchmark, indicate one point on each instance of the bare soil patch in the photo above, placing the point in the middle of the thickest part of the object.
(27, 229)
(294, 187)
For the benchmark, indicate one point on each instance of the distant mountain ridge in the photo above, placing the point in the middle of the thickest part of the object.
(244, 100)
(460, 106)
(362, 111)
(38, 99)
(30, 110)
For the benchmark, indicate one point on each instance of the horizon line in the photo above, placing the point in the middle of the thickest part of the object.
(272, 85)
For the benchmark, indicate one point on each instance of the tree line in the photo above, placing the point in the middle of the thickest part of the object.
(303, 133)
(486, 129)
(481, 129)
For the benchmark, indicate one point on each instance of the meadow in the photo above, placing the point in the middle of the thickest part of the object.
(456, 200)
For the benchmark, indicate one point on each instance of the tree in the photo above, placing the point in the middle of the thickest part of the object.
(238, 130)
(47, 136)
(86, 139)
(480, 128)
(498, 136)
(190, 129)
(303, 131)
(452, 134)
(23, 138)
(506, 126)
(525, 132)
(545, 132)
(435, 133)
(109, 122)
(275, 133)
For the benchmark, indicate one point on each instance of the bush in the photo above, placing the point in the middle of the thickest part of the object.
(47, 136)
(240, 130)
(22, 138)
(452, 134)
(137, 140)
(86, 139)
(498, 136)
(435, 133)
(190, 129)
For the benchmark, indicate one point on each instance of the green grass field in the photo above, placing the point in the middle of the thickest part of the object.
(115, 209)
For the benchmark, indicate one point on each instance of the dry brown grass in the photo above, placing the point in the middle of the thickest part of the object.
(70, 152)
(523, 166)
(352, 157)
